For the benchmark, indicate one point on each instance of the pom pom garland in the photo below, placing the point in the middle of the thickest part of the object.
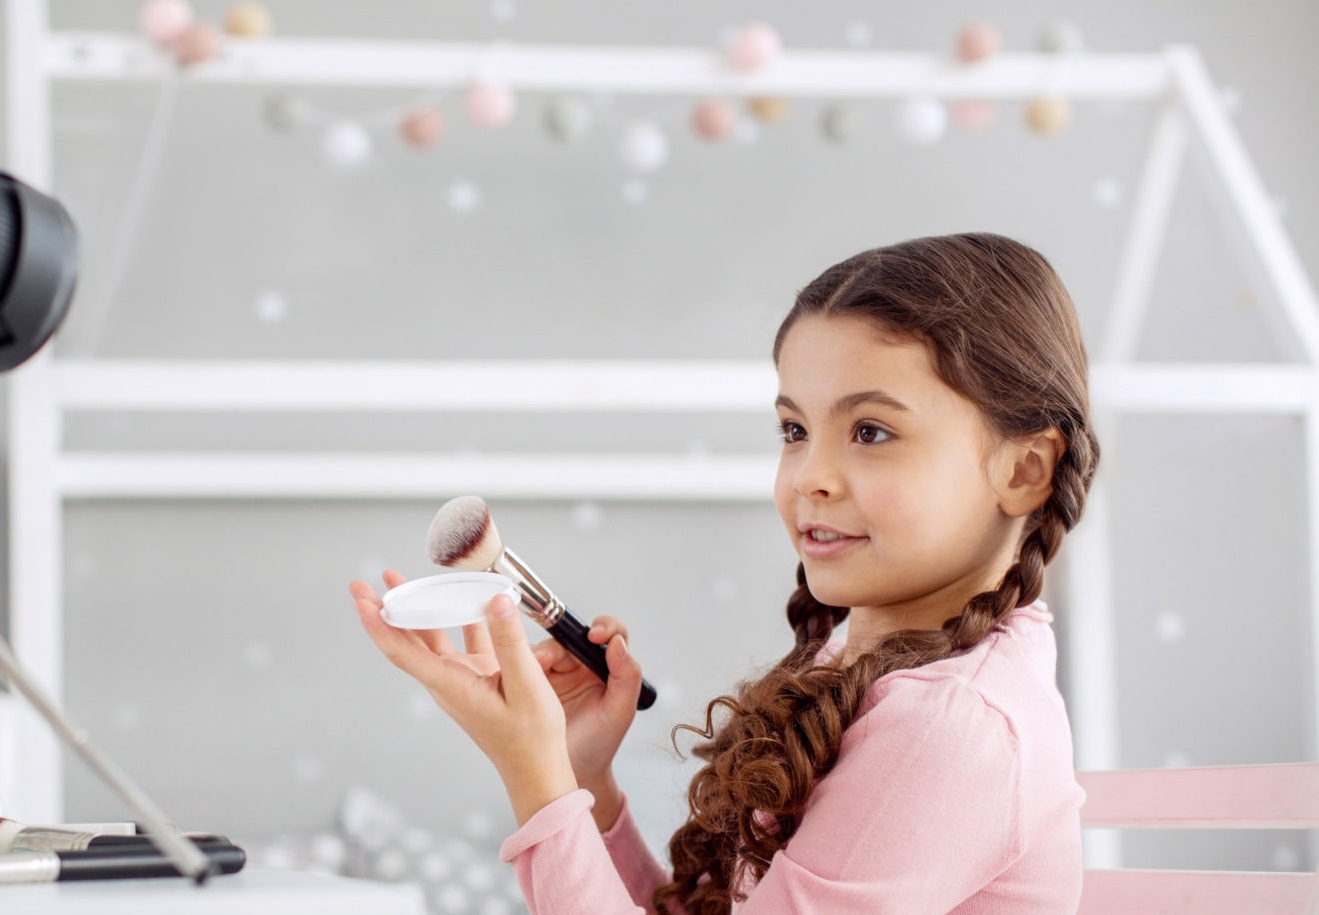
(644, 147)
(754, 46)
(422, 127)
(488, 105)
(569, 119)
(346, 145)
(973, 114)
(978, 41)
(1048, 114)
(768, 109)
(197, 44)
(714, 119)
(920, 121)
(163, 21)
(248, 20)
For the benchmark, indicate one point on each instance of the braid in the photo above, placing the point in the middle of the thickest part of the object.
(811, 621)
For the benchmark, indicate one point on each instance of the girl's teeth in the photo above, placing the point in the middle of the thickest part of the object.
(825, 536)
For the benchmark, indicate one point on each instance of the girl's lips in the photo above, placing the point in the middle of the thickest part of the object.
(826, 549)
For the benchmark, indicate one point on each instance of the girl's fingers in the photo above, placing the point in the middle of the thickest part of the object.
(393, 578)
(476, 638)
(604, 628)
(624, 684)
(404, 649)
(518, 668)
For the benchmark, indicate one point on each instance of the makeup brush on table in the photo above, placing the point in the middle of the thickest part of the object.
(463, 536)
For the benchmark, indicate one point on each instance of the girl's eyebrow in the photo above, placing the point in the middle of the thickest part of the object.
(850, 402)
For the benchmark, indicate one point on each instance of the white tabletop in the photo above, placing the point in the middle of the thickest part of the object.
(252, 891)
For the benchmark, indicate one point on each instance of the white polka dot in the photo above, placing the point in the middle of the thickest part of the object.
(1107, 193)
(391, 865)
(452, 899)
(127, 716)
(328, 850)
(859, 34)
(496, 906)
(279, 856)
(270, 307)
(1176, 759)
(417, 840)
(479, 877)
(464, 197)
(724, 589)
(421, 705)
(435, 867)
(1286, 858)
(587, 516)
(636, 191)
(1170, 626)
(257, 655)
(306, 769)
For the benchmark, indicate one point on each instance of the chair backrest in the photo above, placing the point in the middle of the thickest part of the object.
(1281, 796)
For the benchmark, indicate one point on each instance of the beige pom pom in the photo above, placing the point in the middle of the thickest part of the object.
(1049, 114)
(768, 109)
(248, 20)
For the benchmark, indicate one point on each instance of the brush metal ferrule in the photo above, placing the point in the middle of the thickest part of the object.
(540, 603)
(29, 867)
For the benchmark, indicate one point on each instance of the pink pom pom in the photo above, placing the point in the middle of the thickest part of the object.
(422, 127)
(163, 21)
(974, 114)
(713, 119)
(198, 44)
(978, 41)
(754, 46)
(489, 105)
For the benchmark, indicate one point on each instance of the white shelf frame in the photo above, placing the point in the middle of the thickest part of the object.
(43, 476)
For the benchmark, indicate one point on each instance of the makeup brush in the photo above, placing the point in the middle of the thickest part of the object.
(463, 536)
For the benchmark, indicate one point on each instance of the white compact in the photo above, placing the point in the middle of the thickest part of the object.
(444, 601)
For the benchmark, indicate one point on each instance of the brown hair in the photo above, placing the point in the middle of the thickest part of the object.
(1003, 332)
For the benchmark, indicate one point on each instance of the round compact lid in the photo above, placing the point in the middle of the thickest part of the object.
(445, 600)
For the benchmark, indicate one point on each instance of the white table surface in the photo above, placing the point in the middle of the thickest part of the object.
(252, 891)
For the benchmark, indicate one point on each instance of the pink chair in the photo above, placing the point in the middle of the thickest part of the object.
(1284, 796)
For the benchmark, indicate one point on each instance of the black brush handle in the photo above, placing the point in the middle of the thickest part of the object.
(570, 632)
(108, 862)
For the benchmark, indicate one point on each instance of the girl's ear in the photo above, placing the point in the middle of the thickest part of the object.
(1026, 481)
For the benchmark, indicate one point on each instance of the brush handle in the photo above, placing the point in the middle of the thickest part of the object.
(570, 632)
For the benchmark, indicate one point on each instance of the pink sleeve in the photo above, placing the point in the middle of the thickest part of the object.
(920, 812)
(561, 860)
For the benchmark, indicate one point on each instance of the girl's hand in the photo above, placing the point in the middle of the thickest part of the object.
(598, 714)
(496, 691)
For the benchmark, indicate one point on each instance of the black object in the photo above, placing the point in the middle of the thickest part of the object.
(570, 632)
(119, 862)
(38, 269)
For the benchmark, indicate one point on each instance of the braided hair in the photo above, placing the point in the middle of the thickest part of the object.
(1003, 332)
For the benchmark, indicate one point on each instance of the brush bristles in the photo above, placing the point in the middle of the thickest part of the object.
(463, 535)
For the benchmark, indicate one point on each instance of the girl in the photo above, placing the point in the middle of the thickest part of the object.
(936, 448)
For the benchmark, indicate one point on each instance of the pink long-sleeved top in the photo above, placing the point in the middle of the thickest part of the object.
(954, 791)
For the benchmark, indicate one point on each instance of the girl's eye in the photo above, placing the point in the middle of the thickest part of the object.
(791, 432)
(870, 434)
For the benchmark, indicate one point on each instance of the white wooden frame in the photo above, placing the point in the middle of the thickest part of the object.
(42, 476)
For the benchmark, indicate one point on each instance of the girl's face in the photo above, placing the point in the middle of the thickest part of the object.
(888, 481)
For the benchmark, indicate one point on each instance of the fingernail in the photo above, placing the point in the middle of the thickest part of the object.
(502, 607)
(623, 642)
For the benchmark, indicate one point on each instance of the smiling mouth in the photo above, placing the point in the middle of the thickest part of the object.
(820, 536)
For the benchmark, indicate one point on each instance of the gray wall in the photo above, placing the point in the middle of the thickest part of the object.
(210, 646)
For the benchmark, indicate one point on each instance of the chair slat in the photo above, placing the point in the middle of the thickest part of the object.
(1149, 892)
(1273, 796)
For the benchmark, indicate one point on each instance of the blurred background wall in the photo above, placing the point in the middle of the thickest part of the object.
(210, 645)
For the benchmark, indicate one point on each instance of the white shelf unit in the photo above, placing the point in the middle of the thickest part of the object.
(43, 476)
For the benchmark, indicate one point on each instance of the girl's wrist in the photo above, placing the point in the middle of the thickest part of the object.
(535, 784)
(608, 799)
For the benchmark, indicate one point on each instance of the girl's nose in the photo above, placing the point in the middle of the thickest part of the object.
(818, 475)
